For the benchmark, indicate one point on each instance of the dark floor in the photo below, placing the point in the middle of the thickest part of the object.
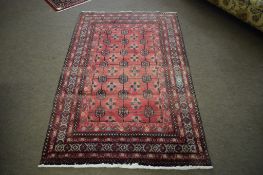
(226, 59)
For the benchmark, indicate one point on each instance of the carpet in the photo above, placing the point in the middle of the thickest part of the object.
(125, 97)
(60, 5)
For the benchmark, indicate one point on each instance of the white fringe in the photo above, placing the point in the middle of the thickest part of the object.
(128, 166)
(128, 12)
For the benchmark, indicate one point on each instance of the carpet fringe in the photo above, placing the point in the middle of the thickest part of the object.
(128, 166)
(127, 11)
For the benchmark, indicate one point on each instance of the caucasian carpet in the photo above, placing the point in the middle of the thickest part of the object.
(60, 5)
(125, 97)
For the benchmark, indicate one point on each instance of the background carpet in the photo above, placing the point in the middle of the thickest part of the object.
(59, 5)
